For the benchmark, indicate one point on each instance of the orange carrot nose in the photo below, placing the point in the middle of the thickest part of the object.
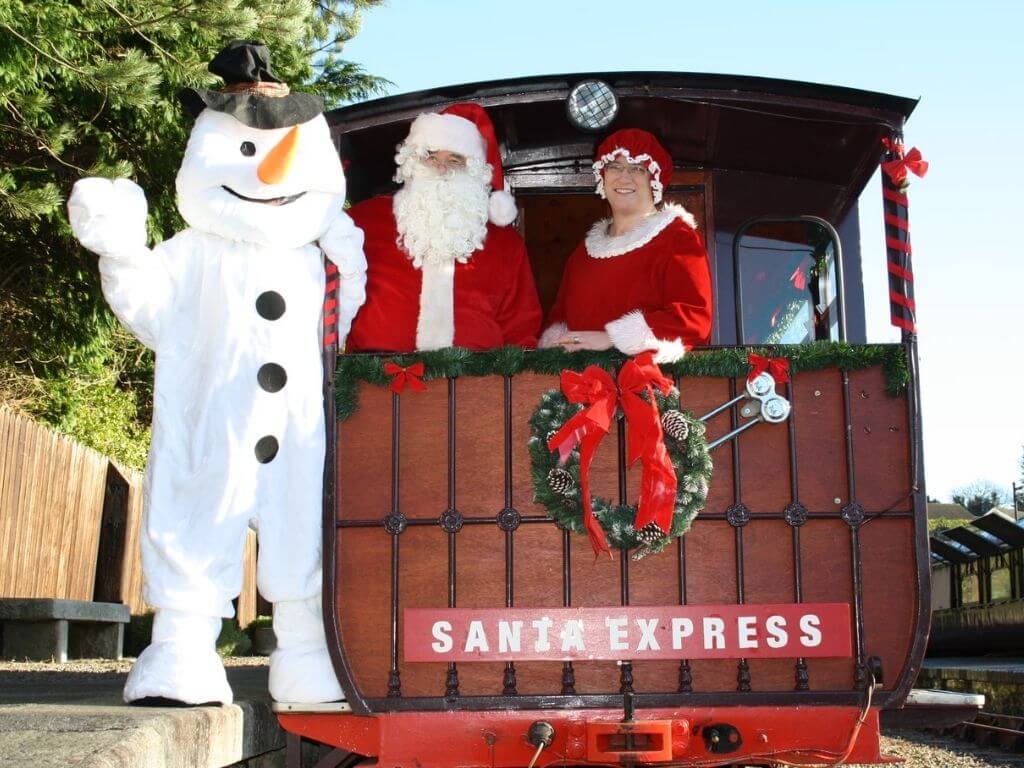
(274, 167)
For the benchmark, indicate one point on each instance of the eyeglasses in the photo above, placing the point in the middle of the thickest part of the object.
(633, 169)
(451, 162)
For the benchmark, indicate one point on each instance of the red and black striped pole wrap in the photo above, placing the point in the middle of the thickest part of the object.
(330, 304)
(902, 310)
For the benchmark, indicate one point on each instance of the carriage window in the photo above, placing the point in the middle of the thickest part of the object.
(786, 282)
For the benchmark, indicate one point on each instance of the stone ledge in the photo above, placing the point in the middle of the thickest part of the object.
(50, 719)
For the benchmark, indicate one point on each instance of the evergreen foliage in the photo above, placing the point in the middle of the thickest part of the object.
(505, 361)
(90, 89)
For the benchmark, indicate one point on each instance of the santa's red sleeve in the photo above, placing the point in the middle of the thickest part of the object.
(682, 316)
(519, 314)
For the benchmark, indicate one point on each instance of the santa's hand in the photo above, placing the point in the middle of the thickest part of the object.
(108, 217)
(577, 340)
(343, 245)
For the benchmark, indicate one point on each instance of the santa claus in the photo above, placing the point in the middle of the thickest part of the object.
(640, 280)
(445, 269)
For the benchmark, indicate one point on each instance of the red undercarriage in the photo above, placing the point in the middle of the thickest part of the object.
(700, 737)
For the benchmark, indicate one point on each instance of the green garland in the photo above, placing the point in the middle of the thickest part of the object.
(564, 505)
(506, 361)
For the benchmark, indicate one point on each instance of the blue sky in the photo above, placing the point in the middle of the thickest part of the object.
(962, 59)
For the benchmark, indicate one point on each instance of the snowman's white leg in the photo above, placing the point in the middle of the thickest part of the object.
(181, 663)
(300, 668)
(288, 570)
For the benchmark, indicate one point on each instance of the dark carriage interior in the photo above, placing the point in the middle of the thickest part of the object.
(743, 148)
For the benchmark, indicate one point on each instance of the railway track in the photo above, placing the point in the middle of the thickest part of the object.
(990, 729)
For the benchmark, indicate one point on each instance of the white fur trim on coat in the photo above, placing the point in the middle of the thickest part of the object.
(551, 335)
(632, 335)
(601, 245)
(432, 131)
(501, 208)
(435, 327)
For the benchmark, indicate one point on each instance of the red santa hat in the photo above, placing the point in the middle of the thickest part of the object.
(466, 129)
(635, 146)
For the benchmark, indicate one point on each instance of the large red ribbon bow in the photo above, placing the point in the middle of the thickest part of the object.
(408, 376)
(777, 367)
(897, 168)
(596, 389)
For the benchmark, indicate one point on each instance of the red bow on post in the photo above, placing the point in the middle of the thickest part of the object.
(777, 367)
(897, 168)
(646, 444)
(401, 377)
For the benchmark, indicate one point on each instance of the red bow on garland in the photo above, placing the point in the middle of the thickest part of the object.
(401, 377)
(777, 367)
(645, 442)
(897, 168)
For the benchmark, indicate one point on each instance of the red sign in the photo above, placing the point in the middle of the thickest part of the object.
(637, 632)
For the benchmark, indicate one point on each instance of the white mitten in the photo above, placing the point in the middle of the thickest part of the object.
(300, 668)
(109, 217)
(343, 244)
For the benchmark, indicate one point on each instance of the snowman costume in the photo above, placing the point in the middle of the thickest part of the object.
(232, 307)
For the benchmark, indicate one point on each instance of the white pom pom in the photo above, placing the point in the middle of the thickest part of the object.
(501, 208)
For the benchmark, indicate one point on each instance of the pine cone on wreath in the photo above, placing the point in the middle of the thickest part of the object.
(560, 481)
(674, 424)
(650, 533)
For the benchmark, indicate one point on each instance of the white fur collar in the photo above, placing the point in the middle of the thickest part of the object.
(601, 245)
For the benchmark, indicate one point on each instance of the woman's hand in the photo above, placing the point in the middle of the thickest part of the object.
(577, 340)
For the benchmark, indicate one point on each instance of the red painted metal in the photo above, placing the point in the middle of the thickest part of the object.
(648, 741)
(803, 735)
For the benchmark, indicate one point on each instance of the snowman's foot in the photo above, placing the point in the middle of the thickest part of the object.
(300, 668)
(181, 665)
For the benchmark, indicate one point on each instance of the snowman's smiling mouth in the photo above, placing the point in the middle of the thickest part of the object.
(267, 200)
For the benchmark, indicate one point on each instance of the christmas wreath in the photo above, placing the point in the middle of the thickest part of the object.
(568, 424)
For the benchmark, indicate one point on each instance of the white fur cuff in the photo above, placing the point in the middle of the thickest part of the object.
(551, 335)
(632, 335)
(433, 131)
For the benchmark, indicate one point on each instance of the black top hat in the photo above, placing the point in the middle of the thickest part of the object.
(252, 94)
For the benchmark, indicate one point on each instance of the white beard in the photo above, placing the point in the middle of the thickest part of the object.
(441, 219)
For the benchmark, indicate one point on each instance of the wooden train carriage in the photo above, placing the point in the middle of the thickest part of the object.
(430, 504)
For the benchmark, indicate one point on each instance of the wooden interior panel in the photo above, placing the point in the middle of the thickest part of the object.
(423, 482)
(881, 443)
(768, 578)
(889, 578)
(479, 446)
(699, 396)
(820, 440)
(423, 583)
(711, 579)
(364, 457)
(364, 605)
(764, 468)
(827, 578)
(364, 554)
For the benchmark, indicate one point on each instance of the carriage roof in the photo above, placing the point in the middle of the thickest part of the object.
(806, 131)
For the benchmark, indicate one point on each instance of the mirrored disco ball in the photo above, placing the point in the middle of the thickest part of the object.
(592, 105)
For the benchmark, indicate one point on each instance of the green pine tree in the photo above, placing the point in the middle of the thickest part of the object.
(90, 89)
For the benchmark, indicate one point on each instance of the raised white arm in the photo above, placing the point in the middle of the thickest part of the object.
(109, 218)
(343, 245)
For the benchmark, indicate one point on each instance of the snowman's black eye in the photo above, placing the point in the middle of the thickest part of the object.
(248, 148)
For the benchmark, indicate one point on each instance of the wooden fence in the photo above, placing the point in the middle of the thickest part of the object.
(70, 522)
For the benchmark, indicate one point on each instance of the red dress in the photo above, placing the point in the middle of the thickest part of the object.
(649, 289)
(495, 299)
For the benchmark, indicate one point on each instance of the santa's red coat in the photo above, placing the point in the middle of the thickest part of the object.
(659, 288)
(495, 296)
